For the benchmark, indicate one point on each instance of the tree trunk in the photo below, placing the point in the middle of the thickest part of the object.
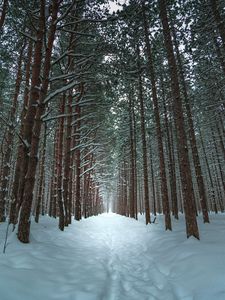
(165, 198)
(144, 146)
(41, 177)
(78, 159)
(195, 155)
(16, 203)
(132, 162)
(24, 223)
(9, 139)
(29, 118)
(185, 172)
(67, 160)
(153, 181)
(172, 167)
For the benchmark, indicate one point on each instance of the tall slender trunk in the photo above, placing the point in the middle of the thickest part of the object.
(78, 158)
(60, 199)
(67, 160)
(24, 223)
(144, 146)
(192, 138)
(212, 188)
(16, 203)
(53, 192)
(221, 140)
(132, 162)
(124, 208)
(172, 167)
(9, 139)
(153, 180)
(185, 172)
(41, 177)
(218, 159)
(164, 189)
(135, 160)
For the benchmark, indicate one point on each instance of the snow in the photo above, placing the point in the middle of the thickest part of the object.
(111, 257)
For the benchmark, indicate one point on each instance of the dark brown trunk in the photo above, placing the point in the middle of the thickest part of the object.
(132, 162)
(24, 223)
(60, 199)
(218, 159)
(135, 160)
(78, 159)
(9, 139)
(164, 190)
(67, 160)
(185, 172)
(153, 180)
(29, 118)
(212, 188)
(41, 177)
(221, 140)
(172, 167)
(53, 192)
(15, 205)
(194, 149)
(144, 146)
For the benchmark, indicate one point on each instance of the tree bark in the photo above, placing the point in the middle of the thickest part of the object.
(24, 223)
(193, 142)
(132, 162)
(185, 172)
(164, 189)
(144, 146)
(67, 160)
(41, 177)
(16, 203)
(9, 139)
(78, 158)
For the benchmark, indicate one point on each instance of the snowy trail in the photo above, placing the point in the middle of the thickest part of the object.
(111, 257)
(131, 273)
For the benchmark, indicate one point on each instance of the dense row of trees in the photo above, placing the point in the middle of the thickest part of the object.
(123, 110)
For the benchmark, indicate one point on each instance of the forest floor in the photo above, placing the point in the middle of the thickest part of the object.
(110, 257)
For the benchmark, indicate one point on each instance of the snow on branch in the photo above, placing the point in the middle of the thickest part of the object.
(84, 146)
(63, 89)
(58, 117)
(62, 77)
(87, 116)
(80, 33)
(88, 170)
(70, 7)
(60, 57)
(90, 152)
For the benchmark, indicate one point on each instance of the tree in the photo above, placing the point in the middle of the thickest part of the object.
(185, 172)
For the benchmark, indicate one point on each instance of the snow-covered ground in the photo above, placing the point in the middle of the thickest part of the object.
(111, 257)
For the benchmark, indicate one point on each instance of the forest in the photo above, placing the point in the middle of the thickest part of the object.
(111, 106)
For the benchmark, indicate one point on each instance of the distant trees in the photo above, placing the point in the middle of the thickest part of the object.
(177, 160)
(49, 56)
(127, 106)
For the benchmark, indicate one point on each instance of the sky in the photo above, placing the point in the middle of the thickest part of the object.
(115, 7)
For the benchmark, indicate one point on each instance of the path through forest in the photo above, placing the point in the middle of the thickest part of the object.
(110, 257)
